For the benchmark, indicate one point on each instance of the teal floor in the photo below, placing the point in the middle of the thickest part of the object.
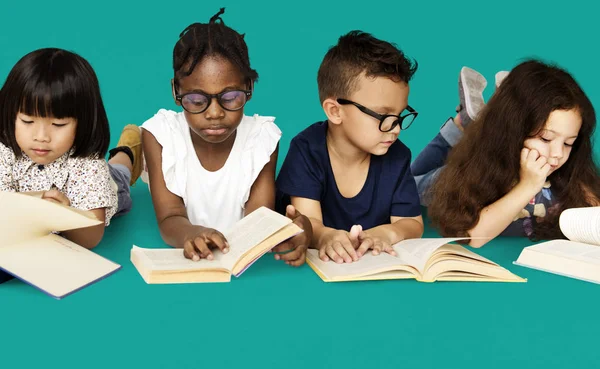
(275, 316)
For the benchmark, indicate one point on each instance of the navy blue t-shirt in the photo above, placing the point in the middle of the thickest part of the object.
(389, 190)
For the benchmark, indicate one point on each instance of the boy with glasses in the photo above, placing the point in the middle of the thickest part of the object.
(350, 174)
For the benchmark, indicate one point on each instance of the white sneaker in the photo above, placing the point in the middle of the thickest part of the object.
(470, 89)
(500, 77)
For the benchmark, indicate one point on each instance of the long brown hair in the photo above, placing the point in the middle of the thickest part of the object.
(485, 164)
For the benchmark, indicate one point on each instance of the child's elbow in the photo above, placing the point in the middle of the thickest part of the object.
(477, 243)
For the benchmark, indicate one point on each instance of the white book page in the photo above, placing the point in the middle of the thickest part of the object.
(581, 224)
(417, 251)
(569, 250)
(368, 264)
(245, 234)
(249, 232)
(173, 260)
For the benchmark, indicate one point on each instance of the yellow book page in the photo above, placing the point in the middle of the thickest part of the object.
(418, 251)
(250, 231)
(172, 260)
(368, 266)
(26, 217)
(449, 266)
(54, 264)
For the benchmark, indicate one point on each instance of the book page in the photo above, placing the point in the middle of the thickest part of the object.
(26, 217)
(567, 258)
(569, 250)
(54, 264)
(417, 251)
(581, 224)
(369, 264)
(250, 231)
(173, 260)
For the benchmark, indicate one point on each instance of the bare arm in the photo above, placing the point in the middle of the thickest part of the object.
(400, 228)
(88, 237)
(263, 188)
(312, 209)
(171, 214)
(494, 218)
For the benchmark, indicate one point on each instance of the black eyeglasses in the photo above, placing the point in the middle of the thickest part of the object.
(198, 102)
(389, 121)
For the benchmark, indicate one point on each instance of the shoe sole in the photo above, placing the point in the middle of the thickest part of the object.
(500, 77)
(471, 85)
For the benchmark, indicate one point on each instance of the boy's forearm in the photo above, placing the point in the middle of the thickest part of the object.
(399, 230)
(318, 230)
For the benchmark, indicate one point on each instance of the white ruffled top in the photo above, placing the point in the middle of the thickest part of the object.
(212, 199)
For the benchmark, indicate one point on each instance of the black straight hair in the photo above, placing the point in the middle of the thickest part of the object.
(59, 84)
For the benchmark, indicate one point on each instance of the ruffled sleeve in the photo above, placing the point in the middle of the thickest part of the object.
(166, 127)
(261, 141)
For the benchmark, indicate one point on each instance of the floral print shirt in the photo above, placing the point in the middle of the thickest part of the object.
(85, 181)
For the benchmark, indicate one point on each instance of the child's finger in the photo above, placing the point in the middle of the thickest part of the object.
(389, 249)
(355, 232)
(323, 254)
(291, 212)
(350, 249)
(301, 260)
(533, 155)
(524, 154)
(217, 239)
(546, 168)
(341, 251)
(189, 251)
(203, 248)
(364, 246)
(541, 160)
(377, 247)
(333, 255)
(293, 255)
(283, 247)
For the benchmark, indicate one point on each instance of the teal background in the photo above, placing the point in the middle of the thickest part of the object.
(275, 316)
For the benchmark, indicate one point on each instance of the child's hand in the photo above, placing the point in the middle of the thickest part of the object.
(56, 196)
(201, 240)
(338, 246)
(297, 245)
(367, 241)
(534, 169)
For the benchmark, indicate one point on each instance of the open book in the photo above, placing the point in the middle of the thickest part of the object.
(424, 259)
(578, 258)
(30, 251)
(249, 239)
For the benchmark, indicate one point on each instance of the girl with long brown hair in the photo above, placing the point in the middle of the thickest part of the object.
(522, 160)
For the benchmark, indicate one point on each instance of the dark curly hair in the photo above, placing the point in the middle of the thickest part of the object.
(358, 52)
(200, 40)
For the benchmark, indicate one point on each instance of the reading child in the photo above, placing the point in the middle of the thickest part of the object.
(513, 167)
(55, 135)
(211, 165)
(350, 174)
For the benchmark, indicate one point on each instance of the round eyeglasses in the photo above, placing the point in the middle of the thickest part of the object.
(197, 102)
(387, 122)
